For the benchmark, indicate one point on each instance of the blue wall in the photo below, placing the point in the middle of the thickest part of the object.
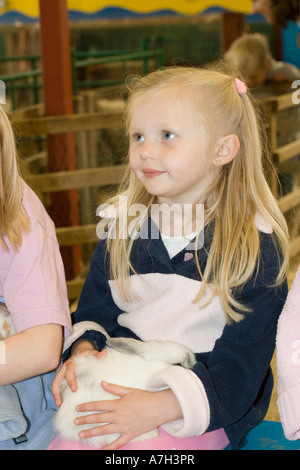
(291, 44)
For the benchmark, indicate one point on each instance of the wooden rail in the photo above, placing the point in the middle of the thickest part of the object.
(32, 123)
(286, 158)
(76, 179)
(63, 124)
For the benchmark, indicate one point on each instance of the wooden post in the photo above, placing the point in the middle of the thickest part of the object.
(58, 99)
(233, 26)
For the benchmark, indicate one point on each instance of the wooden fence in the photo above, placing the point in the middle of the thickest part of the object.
(77, 179)
(25, 124)
(286, 159)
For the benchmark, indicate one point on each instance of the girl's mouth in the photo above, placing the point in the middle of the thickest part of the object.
(150, 173)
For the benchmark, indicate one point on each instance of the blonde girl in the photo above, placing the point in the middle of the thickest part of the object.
(213, 280)
(32, 285)
(251, 55)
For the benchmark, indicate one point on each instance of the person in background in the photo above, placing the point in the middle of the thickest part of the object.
(278, 12)
(251, 55)
(33, 288)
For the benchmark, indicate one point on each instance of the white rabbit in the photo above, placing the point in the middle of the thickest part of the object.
(130, 363)
(6, 325)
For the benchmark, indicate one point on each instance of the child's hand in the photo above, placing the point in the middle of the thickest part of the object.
(67, 370)
(136, 412)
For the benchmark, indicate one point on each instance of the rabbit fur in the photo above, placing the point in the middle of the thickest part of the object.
(130, 363)
(6, 325)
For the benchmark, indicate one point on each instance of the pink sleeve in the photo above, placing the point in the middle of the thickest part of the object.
(32, 280)
(191, 395)
(35, 287)
(288, 362)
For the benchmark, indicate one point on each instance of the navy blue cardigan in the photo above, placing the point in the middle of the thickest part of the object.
(235, 371)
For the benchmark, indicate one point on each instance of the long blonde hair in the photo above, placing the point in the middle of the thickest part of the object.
(239, 193)
(13, 218)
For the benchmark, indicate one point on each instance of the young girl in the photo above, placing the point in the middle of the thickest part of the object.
(194, 142)
(251, 55)
(32, 285)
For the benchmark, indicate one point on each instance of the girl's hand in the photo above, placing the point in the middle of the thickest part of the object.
(136, 412)
(67, 370)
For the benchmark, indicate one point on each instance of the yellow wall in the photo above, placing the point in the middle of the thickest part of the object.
(31, 7)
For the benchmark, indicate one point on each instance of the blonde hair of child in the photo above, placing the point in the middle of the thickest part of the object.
(251, 55)
(14, 220)
(240, 192)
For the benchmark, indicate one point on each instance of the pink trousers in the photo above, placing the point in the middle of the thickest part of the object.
(215, 440)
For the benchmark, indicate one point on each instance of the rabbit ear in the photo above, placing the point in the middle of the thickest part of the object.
(166, 351)
(125, 345)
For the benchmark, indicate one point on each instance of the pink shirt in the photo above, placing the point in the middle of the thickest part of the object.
(32, 280)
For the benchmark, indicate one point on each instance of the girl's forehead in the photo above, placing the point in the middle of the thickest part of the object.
(170, 111)
(169, 98)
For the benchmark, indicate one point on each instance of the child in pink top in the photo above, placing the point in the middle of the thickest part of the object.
(32, 279)
(33, 287)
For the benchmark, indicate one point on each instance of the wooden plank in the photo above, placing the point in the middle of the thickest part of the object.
(290, 201)
(76, 179)
(232, 27)
(280, 102)
(33, 111)
(69, 123)
(287, 151)
(68, 236)
(34, 163)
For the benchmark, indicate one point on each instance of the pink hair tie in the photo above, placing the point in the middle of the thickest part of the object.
(240, 86)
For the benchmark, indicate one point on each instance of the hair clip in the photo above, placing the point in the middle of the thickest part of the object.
(240, 86)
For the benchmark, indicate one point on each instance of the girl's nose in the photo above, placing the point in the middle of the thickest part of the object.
(147, 151)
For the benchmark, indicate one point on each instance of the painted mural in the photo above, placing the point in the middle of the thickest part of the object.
(18, 10)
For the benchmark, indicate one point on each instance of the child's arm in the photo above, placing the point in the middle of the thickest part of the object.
(32, 352)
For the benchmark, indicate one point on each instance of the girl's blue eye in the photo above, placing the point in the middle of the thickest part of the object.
(167, 135)
(139, 137)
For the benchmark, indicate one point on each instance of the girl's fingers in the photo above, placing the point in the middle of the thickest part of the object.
(56, 385)
(98, 418)
(105, 405)
(70, 376)
(96, 432)
(114, 389)
(106, 429)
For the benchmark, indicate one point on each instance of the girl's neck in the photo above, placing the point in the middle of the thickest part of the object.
(178, 220)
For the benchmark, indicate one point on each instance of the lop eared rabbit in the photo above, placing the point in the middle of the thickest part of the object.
(128, 362)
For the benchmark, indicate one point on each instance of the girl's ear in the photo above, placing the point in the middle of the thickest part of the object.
(227, 149)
